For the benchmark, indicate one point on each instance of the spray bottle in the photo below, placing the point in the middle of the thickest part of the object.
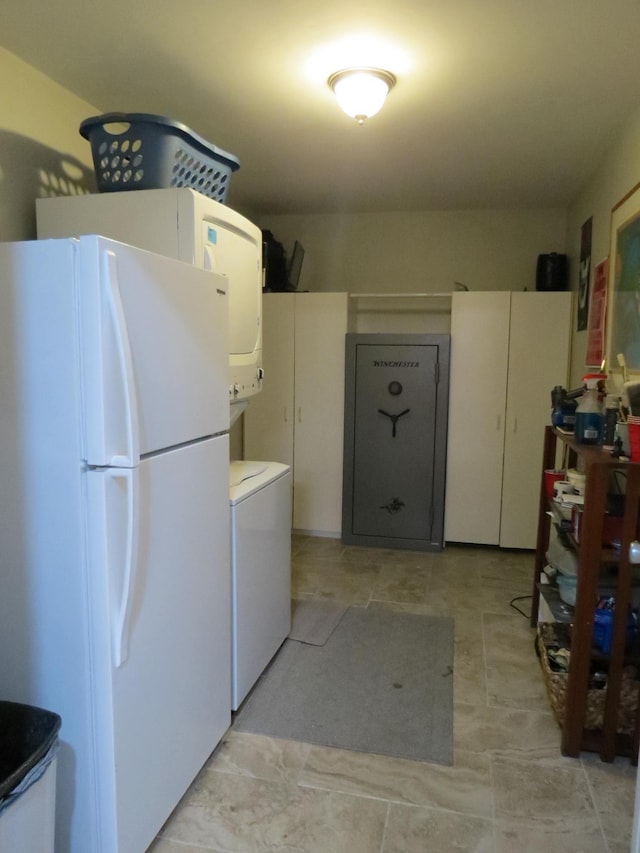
(590, 414)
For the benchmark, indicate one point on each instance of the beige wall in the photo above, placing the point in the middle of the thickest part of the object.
(41, 151)
(418, 252)
(617, 174)
(422, 251)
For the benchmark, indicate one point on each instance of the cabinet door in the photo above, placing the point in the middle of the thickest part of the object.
(538, 360)
(477, 393)
(268, 419)
(321, 326)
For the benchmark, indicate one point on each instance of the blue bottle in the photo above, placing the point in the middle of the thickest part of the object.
(563, 412)
(589, 428)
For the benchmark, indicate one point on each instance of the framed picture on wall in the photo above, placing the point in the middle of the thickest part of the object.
(597, 315)
(624, 281)
(584, 274)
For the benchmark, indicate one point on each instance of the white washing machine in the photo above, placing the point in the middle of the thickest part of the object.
(260, 503)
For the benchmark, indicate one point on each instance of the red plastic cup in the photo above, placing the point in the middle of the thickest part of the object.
(551, 476)
(634, 441)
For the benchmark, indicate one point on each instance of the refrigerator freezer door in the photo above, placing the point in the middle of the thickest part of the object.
(160, 632)
(154, 335)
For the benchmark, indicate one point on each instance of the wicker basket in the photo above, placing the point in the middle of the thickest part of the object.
(550, 635)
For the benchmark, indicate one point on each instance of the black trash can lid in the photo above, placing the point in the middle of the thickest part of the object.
(26, 735)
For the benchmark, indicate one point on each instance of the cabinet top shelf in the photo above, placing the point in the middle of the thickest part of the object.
(591, 453)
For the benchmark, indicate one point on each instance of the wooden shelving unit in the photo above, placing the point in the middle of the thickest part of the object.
(598, 465)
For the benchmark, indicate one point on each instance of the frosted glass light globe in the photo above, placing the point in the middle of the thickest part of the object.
(361, 92)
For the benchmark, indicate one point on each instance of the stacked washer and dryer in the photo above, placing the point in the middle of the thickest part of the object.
(187, 225)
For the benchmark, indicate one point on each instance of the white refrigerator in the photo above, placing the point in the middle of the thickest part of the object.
(184, 224)
(114, 524)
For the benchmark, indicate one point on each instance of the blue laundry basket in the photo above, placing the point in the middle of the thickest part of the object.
(138, 151)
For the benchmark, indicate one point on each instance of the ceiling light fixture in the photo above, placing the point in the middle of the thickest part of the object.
(361, 92)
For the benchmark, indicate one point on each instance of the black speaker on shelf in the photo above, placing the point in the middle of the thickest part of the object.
(551, 272)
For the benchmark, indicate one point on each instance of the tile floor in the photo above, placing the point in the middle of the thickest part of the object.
(509, 788)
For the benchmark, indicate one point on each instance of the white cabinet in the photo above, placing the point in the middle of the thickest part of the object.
(298, 418)
(477, 389)
(508, 350)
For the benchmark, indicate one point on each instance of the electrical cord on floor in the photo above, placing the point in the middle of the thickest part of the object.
(515, 607)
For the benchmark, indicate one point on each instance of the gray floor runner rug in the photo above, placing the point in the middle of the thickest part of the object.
(314, 621)
(382, 683)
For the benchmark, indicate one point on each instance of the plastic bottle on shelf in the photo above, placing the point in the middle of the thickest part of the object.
(563, 409)
(611, 408)
(589, 427)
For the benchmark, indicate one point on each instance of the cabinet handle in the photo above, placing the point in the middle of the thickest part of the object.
(515, 425)
(284, 415)
(498, 422)
(299, 414)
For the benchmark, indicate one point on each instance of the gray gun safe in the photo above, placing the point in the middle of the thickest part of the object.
(395, 440)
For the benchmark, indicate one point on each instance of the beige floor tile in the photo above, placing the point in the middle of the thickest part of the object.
(355, 568)
(419, 608)
(457, 574)
(508, 633)
(506, 566)
(363, 553)
(300, 596)
(402, 584)
(613, 787)
(457, 602)
(550, 795)
(514, 581)
(259, 756)
(247, 815)
(514, 678)
(464, 555)
(470, 628)
(420, 830)
(318, 576)
(465, 787)
(495, 598)
(394, 557)
(320, 546)
(303, 585)
(313, 576)
(506, 732)
(469, 669)
(509, 790)
(510, 837)
(469, 687)
(354, 589)
(165, 845)
(373, 556)
(510, 569)
(516, 685)
(320, 563)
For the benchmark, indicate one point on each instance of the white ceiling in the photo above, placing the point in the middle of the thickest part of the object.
(499, 103)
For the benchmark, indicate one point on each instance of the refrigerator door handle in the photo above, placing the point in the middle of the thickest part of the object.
(122, 627)
(125, 362)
